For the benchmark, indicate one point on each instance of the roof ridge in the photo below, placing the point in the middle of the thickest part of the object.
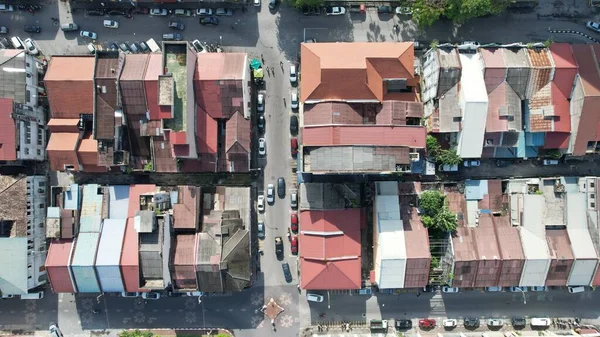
(12, 57)
(327, 265)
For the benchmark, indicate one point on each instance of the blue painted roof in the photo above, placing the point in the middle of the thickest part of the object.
(53, 213)
(85, 250)
(118, 205)
(72, 197)
(535, 138)
(475, 189)
(90, 224)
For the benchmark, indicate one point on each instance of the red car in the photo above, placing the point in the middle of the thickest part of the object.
(294, 222)
(294, 146)
(294, 244)
(427, 323)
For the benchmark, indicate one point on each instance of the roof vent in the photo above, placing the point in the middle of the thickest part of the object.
(112, 70)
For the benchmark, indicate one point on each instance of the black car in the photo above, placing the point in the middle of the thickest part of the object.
(116, 12)
(32, 28)
(172, 294)
(94, 12)
(176, 25)
(384, 9)
(140, 10)
(471, 322)
(286, 272)
(124, 47)
(518, 322)
(294, 124)
(403, 324)
(209, 20)
(112, 46)
(281, 187)
(172, 37)
(261, 123)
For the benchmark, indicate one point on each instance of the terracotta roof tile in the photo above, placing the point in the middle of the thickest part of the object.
(69, 85)
(206, 132)
(237, 131)
(61, 150)
(566, 67)
(408, 136)
(8, 150)
(356, 75)
(63, 125)
(221, 66)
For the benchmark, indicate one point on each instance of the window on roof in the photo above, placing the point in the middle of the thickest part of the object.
(397, 85)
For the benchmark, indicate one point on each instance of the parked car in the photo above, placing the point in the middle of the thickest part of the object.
(575, 290)
(261, 123)
(87, 34)
(278, 247)
(260, 102)
(270, 193)
(448, 168)
(539, 288)
(30, 47)
(294, 124)
(472, 163)
(518, 322)
(294, 100)
(224, 12)
(176, 25)
(595, 26)
(6, 8)
(159, 12)
(471, 322)
(113, 12)
(144, 47)
(450, 290)
(194, 294)
(403, 324)
(294, 200)
(94, 12)
(427, 323)
(540, 322)
(262, 147)
(286, 272)
(111, 24)
(495, 322)
(517, 289)
(32, 28)
(260, 204)
(503, 163)
(134, 48)
(172, 37)
(294, 244)
(256, 3)
(294, 221)
(494, 289)
(54, 330)
(335, 10)
(182, 12)
(384, 9)
(261, 229)
(209, 20)
(293, 75)
(198, 46)
(69, 27)
(314, 297)
(281, 187)
(450, 323)
(124, 47)
(151, 296)
(113, 46)
(204, 11)
(550, 162)
(404, 10)
(272, 4)
(294, 146)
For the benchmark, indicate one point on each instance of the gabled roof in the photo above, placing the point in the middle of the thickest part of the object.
(186, 211)
(408, 136)
(355, 71)
(220, 66)
(237, 132)
(565, 67)
(69, 84)
(206, 132)
(503, 101)
(8, 150)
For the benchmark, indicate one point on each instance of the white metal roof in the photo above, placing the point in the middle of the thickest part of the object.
(111, 242)
(13, 265)
(473, 85)
(474, 104)
(391, 242)
(386, 187)
(581, 242)
(533, 232)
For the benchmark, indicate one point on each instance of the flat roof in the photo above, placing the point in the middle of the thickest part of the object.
(111, 242)
(391, 242)
(533, 232)
(85, 249)
(473, 84)
(13, 259)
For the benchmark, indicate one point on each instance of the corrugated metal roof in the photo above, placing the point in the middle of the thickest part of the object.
(134, 197)
(448, 111)
(12, 74)
(111, 242)
(533, 232)
(221, 66)
(237, 131)
(90, 224)
(119, 201)
(92, 201)
(409, 136)
(509, 240)
(183, 250)
(475, 189)
(186, 212)
(391, 242)
(326, 196)
(357, 158)
(71, 197)
(85, 249)
(464, 245)
(577, 227)
(53, 212)
(485, 239)
(13, 259)
(474, 100)
(566, 67)
(559, 244)
(206, 132)
(8, 150)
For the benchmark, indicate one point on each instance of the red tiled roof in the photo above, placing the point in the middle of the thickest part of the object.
(562, 112)
(565, 67)
(8, 149)
(61, 150)
(359, 73)
(184, 253)
(134, 197)
(88, 150)
(69, 85)
(556, 140)
(408, 136)
(185, 211)
(237, 130)
(177, 138)
(589, 80)
(63, 125)
(153, 70)
(330, 261)
(206, 132)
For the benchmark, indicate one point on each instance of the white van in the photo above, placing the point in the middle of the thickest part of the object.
(314, 298)
(575, 290)
(540, 322)
(33, 296)
(153, 45)
(16, 42)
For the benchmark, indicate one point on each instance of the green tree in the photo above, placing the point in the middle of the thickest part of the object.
(448, 157)
(430, 203)
(445, 220)
(135, 333)
(304, 3)
(432, 145)
(429, 11)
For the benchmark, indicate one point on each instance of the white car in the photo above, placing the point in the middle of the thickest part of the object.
(260, 102)
(260, 205)
(495, 322)
(270, 193)
(150, 296)
(257, 3)
(472, 163)
(335, 11)
(130, 294)
(30, 46)
(449, 323)
(595, 26)
(262, 146)
(6, 8)
(517, 289)
(494, 289)
(159, 12)
(111, 24)
(404, 10)
(314, 298)
(194, 293)
(204, 11)
(90, 35)
(450, 290)
(293, 75)
(294, 100)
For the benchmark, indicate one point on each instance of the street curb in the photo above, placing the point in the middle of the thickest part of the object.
(568, 31)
